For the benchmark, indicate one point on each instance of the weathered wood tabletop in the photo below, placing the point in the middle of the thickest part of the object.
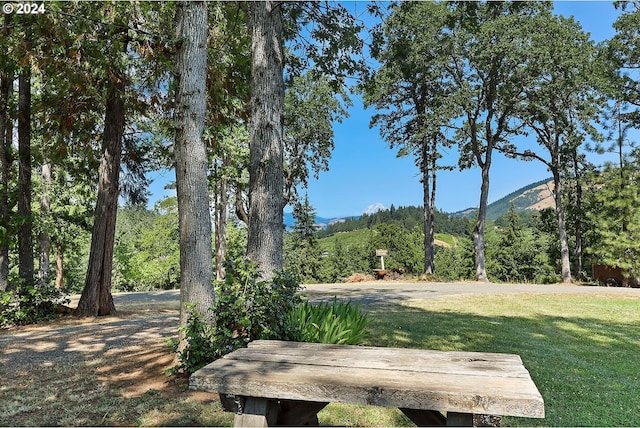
(275, 382)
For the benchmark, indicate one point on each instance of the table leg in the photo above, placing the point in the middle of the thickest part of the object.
(455, 419)
(425, 418)
(257, 412)
(299, 413)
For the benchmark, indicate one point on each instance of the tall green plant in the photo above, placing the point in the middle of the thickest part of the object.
(338, 323)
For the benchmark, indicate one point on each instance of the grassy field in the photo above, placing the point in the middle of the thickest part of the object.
(361, 237)
(347, 239)
(583, 353)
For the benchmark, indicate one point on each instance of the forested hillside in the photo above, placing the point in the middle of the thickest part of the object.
(407, 217)
(534, 197)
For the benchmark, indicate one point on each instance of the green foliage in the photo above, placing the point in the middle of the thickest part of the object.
(614, 210)
(407, 217)
(518, 254)
(344, 255)
(455, 263)
(29, 305)
(200, 344)
(302, 252)
(246, 309)
(146, 253)
(338, 323)
(405, 247)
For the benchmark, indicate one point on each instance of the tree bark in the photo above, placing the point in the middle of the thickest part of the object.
(478, 231)
(578, 220)
(190, 153)
(96, 298)
(25, 230)
(59, 267)
(44, 268)
(428, 189)
(221, 201)
(266, 174)
(5, 143)
(562, 228)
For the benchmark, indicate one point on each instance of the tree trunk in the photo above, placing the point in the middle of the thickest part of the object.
(578, 220)
(190, 153)
(266, 175)
(96, 299)
(562, 229)
(428, 194)
(59, 267)
(44, 269)
(5, 143)
(222, 198)
(478, 231)
(25, 230)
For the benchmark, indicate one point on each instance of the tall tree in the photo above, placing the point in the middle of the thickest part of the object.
(190, 152)
(559, 108)
(488, 67)
(335, 36)
(118, 55)
(96, 298)
(25, 229)
(412, 84)
(6, 83)
(266, 182)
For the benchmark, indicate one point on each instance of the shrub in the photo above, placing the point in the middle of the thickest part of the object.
(30, 305)
(246, 309)
(338, 323)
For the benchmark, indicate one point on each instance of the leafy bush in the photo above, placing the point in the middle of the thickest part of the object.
(338, 323)
(246, 309)
(200, 344)
(29, 305)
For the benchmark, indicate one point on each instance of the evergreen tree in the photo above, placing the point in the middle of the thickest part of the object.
(302, 254)
(614, 210)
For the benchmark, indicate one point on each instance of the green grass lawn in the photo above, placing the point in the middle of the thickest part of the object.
(583, 351)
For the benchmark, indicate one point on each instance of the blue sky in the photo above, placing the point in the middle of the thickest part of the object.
(364, 171)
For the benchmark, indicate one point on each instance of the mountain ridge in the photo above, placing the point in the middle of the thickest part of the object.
(533, 197)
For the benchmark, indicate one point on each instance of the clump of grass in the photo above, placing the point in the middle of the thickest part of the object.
(340, 323)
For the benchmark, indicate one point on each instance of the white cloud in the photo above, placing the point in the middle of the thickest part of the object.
(374, 208)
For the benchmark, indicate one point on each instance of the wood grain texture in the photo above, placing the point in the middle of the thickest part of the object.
(461, 382)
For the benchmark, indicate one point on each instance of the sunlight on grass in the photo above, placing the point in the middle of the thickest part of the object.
(583, 351)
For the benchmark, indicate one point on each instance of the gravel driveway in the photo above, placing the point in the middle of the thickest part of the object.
(373, 292)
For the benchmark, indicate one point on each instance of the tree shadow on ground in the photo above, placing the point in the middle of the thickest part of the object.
(107, 372)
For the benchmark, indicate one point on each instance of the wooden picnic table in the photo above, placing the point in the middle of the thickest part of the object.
(288, 383)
